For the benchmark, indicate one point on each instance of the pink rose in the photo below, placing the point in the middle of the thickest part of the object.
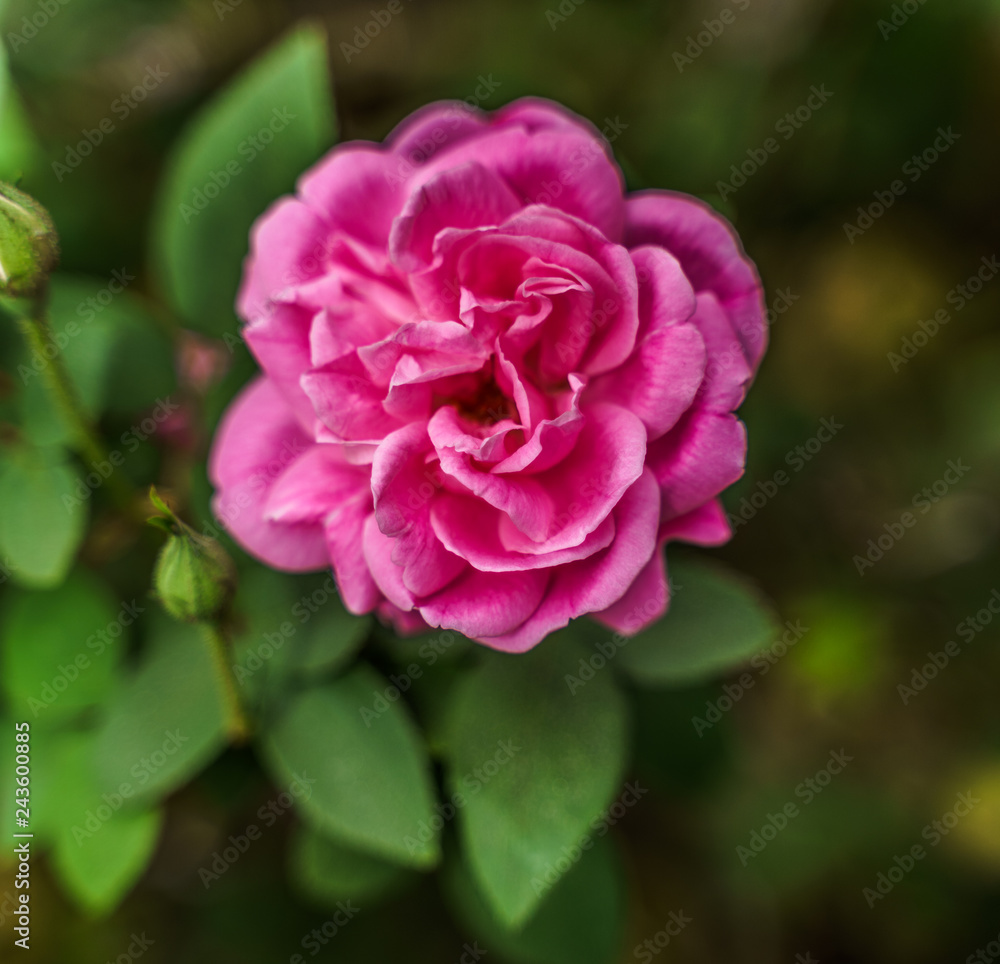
(493, 385)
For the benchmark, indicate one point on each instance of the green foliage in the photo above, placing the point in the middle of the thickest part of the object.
(41, 522)
(57, 656)
(535, 764)
(373, 788)
(167, 720)
(327, 871)
(243, 151)
(580, 921)
(716, 621)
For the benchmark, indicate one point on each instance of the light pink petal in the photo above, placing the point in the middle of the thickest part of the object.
(287, 235)
(357, 188)
(470, 529)
(468, 196)
(432, 128)
(705, 526)
(710, 254)
(257, 441)
(598, 582)
(570, 169)
(645, 601)
(727, 373)
(699, 458)
(661, 380)
(486, 603)
(581, 490)
(347, 402)
(377, 549)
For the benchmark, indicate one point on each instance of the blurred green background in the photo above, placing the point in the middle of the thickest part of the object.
(682, 114)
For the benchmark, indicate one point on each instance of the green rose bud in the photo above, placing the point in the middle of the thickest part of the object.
(29, 246)
(194, 578)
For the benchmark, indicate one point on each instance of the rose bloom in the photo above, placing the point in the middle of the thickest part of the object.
(493, 385)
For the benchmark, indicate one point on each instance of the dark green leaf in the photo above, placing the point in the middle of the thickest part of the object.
(328, 871)
(581, 920)
(222, 176)
(102, 842)
(62, 648)
(42, 518)
(535, 765)
(373, 787)
(716, 621)
(168, 720)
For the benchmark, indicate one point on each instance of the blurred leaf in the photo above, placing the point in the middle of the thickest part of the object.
(373, 787)
(327, 871)
(56, 658)
(102, 843)
(167, 722)
(580, 921)
(563, 756)
(716, 621)
(41, 521)
(330, 638)
(221, 177)
(117, 357)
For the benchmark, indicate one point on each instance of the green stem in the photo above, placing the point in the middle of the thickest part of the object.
(62, 391)
(237, 724)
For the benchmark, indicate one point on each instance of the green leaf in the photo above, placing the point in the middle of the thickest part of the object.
(102, 843)
(716, 621)
(330, 639)
(581, 921)
(168, 720)
(557, 760)
(222, 175)
(62, 648)
(327, 871)
(373, 786)
(42, 522)
(117, 357)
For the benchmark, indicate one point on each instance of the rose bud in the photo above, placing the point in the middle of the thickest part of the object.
(29, 246)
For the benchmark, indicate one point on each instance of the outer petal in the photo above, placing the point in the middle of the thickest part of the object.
(595, 583)
(710, 254)
(697, 460)
(258, 440)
